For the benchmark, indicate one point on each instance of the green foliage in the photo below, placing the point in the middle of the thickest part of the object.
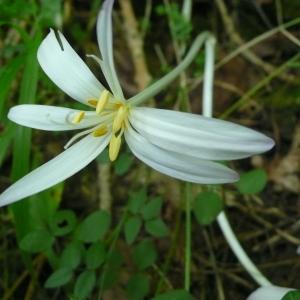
(59, 278)
(95, 255)
(207, 206)
(131, 228)
(35, 241)
(174, 295)
(111, 272)
(292, 295)
(252, 182)
(144, 254)
(50, 14)
(63, 222)
(123, 163)
(181, 29)
(71, 256)
(136, 201)
(138, 287)
(94, 227)
(152, 209)
(84, 285)
(157, 227)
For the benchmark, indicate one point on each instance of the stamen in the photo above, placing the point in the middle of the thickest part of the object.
(114, 147)
(104, 97)
(100, 131)
(119, 119)
(78, 117)
(93, 102)
(77, 136)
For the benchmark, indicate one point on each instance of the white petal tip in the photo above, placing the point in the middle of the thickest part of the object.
(269, 292)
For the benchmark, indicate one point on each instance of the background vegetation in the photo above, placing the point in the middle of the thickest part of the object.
(116, 231)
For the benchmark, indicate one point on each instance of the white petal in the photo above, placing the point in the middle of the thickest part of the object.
(67, 70)
(177, 165)
(46, 117)
(198, 136)
(56, 170)
(269, 293)
(104, 36)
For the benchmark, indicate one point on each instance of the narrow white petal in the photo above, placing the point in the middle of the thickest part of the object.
(46, 117)
(180, 166)
(198, 136)
(269, 293)
(56, 170)
(104, 36)
(67, 70)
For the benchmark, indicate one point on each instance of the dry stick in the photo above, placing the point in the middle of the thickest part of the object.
(219, 283)
(136, 44)
(236, 38)
(8, 295)
(104, 175)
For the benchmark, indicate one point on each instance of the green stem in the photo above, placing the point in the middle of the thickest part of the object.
(222, 219)
(159, 85)
(188, 246)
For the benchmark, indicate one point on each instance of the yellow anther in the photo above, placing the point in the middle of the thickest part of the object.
(114, 147)
(100, 131)
(119, 118)
(104, 97)
(93, 102)
(78, 117)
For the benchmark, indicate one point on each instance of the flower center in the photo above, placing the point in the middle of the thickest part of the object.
(113, 115)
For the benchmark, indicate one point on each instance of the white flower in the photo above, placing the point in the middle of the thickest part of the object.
(269, 293)
(178, 144)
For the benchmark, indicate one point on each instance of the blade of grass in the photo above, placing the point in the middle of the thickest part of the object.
(7, 75)
(22, 137)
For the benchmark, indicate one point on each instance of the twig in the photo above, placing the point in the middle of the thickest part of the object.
(104, 179)
(135, 43)
(236, 38)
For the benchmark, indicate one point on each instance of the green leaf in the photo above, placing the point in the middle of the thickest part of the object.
(63, 222)
(157, 227)
(59, 278)
(207, 206)
(6, 139)
(123, 163)
(49, 12)
(94, 227)
(7, 76)
(109, 278)
(252, 182)
(111, 272)
(144, 254)
(152, 209)
(138, 287)
(292, 295)
(95, 255)
(22, 136)
(137, 200)
(131, 228)
(37, 241)
(174, 295)
(71, 256)
(84, 285)
(115, 259)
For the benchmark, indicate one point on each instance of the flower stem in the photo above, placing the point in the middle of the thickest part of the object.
(188, 246)
(159, 85)
(222, 220)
